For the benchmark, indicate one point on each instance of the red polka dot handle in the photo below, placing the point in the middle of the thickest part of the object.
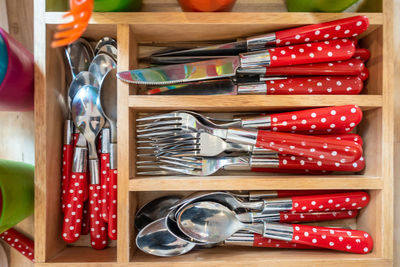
(85, 230)
(364, 74)
(327, 51)
(327, 119)
(98, 229)
(330, 202)
(291, 217)
(362, 54)
(343, 28)
(20, 242)
(72, 223)
(336, 85)
(75, 137)
(264, 242)
(66, 172)
(348, 67)
(333, 238)
(104, 177)
(309, 146)
(289, 193)
(347, 137)
(294, 171)
(112, 227)
(293, 162)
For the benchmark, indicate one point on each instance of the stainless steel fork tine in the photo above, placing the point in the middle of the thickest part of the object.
(183, 136)
(181, 170)
(184, 159)
(158, 134)
(186, 164)
(160, 172)
(145, 148)
(144, 141)
(159, 123)
(162, 128)
(158, 117)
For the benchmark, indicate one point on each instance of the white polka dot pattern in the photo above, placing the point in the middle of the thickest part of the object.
(66, 172)
(312, 53)
(318, 120)
(330, 202)
(104, 178)
(112, 226)
(319, 85)
(85, 219)
(362, 54)
(364, 74)
(20, 242)
(260, 241)
(73, 210)
(98, 234)
(292, 162)
(344, 68)
(347, 27)
(333, 238)
(346, 136)
(309, 146)
(293, 217)
(294, 171)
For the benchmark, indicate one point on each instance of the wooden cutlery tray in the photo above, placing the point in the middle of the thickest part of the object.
(140, 33)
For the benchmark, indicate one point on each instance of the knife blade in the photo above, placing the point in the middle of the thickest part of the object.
(342, 28)
(321, 85)
(327, 51)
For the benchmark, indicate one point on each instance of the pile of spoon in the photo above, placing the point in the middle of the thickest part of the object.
(89, 197)
(172, 226)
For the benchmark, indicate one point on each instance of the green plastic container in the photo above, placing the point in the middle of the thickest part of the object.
(318, 5)
(17, 191)
(117, 5)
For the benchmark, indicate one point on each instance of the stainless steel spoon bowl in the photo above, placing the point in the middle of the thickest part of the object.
(101, 65)
(107, 45)
(82, 79)
(79, 55)
(156, 240)
(109, 101)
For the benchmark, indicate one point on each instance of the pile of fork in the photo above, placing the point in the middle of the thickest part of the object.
(312, 141)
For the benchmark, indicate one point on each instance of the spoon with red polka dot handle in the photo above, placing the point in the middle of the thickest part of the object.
(194, 220)
(325, 120)
(336, 29)
(20, 242)
(327, 51)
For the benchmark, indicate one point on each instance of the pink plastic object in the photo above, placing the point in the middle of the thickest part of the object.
(333, 238)
(16, 90)
(343, 28)
(327, 51)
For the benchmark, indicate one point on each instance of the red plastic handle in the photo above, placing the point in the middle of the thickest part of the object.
(362, 54)
(327, 51)
(85, 230)
(329, 118)
(112, 227)
(104, 176)
(347, 137)
(98, 231)
(294, 171)
(293, 162)
(263, 242)
(344, 68)
(309, 146)
(330, 202)
(73, 210)
(20, 242)
(75, 137)
(291, 217)
(289, 193)
(342, 28)
(364, 74)
(335, 85)
(66, 172)
(333, 238)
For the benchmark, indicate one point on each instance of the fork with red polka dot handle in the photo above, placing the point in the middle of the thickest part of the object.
(20, 242)
(325, 120)
(72, 223)
(337, 29)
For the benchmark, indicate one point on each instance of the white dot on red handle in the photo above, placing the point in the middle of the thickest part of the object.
(348, 233)
(331, 231)
(314, 240)
(353, 110)
(304, 208)
(113, 231)
(340, 238)
(296, 237)
(323, 236)
(331, 244)
(314, 230)
(274, 58)
(346, 31)
(71, 228)
(311, 55)
(306, 234)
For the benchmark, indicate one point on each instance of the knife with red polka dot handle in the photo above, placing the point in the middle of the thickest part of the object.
(291, 217)
(342, 28)
(112, 224)
(314, 85)
(362, 54)
(343, 68)
(98, 229)
(72, 223)
(327, 119)
(353, 241)
(20, 242)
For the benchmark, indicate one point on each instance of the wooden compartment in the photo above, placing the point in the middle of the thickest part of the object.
(135, 33)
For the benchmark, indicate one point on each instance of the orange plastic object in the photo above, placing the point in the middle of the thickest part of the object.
(81, 11)
(207, 5)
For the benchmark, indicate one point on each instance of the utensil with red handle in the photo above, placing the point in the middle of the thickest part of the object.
(256, 240)
(362, 53)
(98, 229)
(67, 156)
(342, 28)
(112, 226)
(257, 195)
(72, 223)
(104, 172)
(85, 230)
(20, 242)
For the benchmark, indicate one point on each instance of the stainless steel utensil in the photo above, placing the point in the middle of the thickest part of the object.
(79, 54)
(107, 45)
(101, 65)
